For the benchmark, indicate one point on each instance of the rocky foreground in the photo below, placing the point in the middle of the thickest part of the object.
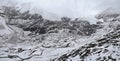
(104, 49)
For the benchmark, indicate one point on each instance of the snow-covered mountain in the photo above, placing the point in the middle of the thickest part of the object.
(33, 36)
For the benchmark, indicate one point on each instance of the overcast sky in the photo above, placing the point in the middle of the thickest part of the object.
(72, 8)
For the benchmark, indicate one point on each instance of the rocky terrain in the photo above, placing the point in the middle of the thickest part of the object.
(25, 36)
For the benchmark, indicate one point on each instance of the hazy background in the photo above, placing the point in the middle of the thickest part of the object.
(69, 8)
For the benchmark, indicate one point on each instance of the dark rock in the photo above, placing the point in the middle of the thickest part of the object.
(91, 45)
(94, 50)
(99, 22)
(105, 50)
(96, 26)
(20, 50)
(98, 59)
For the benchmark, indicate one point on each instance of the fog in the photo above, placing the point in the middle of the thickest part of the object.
(71, 8)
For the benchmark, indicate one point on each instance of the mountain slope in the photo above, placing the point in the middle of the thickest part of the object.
(106, 48)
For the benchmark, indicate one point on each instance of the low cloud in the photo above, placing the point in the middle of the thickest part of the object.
(73, 8)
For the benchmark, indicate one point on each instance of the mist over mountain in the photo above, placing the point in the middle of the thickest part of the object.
(71, 8)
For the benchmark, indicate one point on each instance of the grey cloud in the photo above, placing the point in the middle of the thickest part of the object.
(73, 8)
